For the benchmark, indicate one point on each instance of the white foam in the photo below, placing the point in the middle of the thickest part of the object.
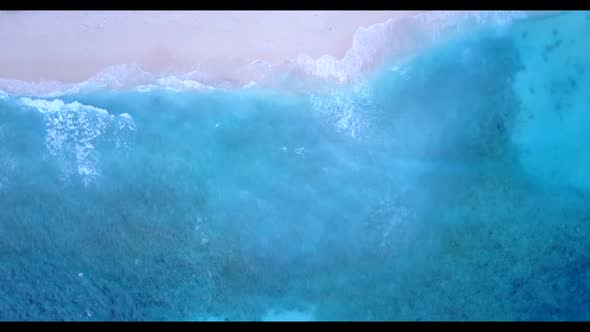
(345, 108)
(75, 128)
(58, 105)
(120, 77)
(399, 37)
(125, 127)
(22, 88)
(146, 88)
(249, 85)
(112, 77)
(178, 84)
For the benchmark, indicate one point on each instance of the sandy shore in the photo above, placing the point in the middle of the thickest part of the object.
(74, 45)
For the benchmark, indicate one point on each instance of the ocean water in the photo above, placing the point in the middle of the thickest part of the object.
(454, 185)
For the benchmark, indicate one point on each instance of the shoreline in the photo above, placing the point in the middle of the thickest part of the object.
(76, 45)
(116, 49)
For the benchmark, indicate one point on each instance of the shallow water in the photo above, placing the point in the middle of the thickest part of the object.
(452, 187)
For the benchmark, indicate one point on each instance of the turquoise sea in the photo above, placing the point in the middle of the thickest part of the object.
(453, 186)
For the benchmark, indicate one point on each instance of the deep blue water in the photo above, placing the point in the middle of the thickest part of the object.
(454, 187)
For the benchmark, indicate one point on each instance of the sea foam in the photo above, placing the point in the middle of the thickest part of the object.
(77, 127)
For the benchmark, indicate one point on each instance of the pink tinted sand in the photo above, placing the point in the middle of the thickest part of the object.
(74, 45)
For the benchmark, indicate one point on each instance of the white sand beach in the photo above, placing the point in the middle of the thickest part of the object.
(71, 46)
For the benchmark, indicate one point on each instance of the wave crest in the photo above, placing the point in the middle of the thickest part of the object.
(399, 38)
(73, 130)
